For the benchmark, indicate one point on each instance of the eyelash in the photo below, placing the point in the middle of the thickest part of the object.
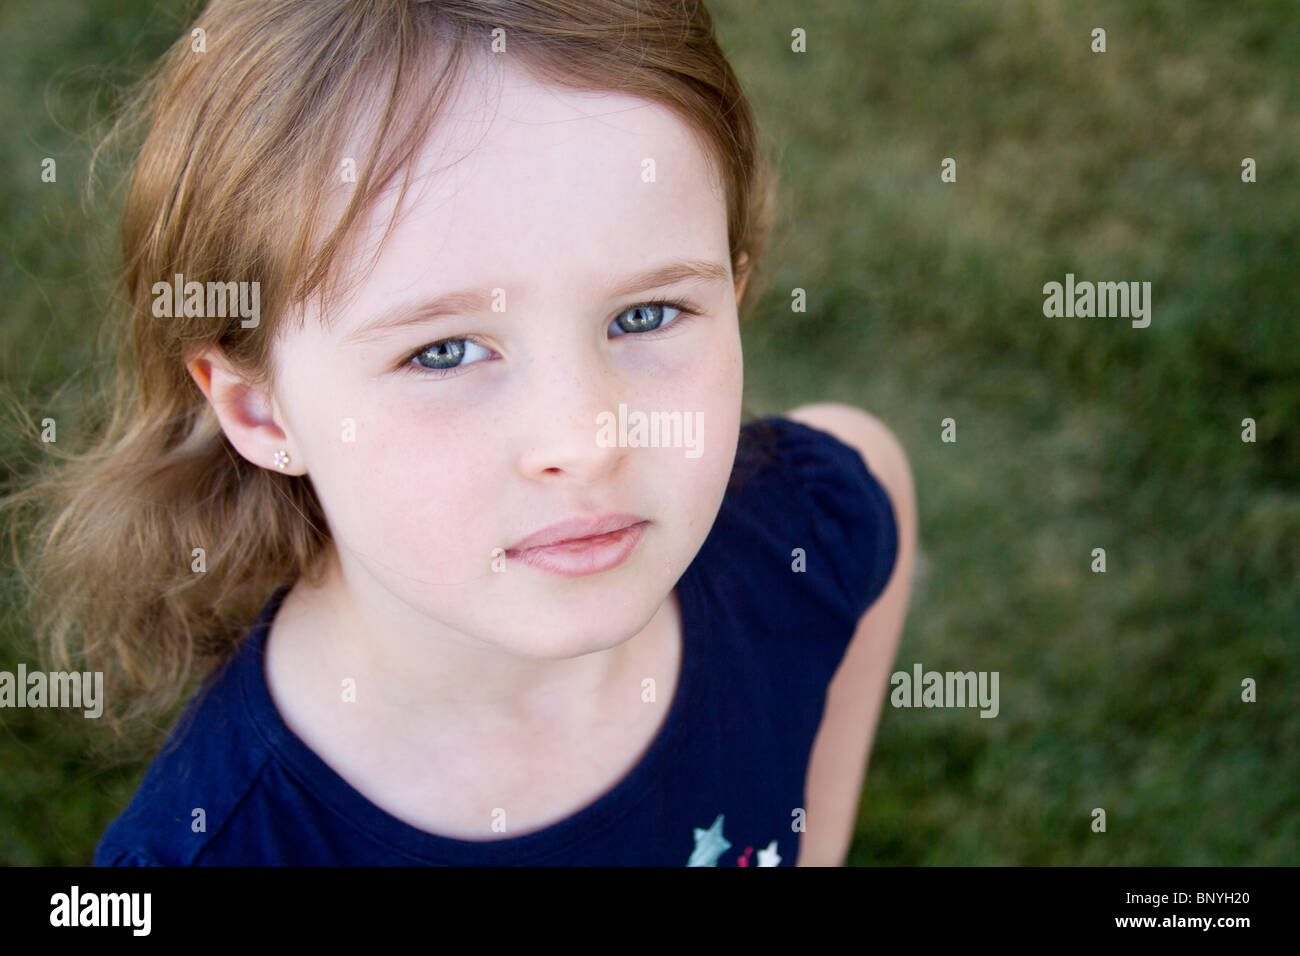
(687, 309)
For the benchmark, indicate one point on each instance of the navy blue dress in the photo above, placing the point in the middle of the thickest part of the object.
(804, 542)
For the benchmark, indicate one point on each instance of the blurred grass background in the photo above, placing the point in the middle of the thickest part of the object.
(1119, 690)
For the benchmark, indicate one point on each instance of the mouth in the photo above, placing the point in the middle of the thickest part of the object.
(582, 546)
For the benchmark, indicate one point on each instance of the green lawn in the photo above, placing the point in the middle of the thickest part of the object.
(1119, 690)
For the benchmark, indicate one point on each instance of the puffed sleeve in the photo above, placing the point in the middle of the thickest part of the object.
(852, 518)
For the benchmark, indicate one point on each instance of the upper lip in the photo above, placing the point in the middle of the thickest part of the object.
(575, 529)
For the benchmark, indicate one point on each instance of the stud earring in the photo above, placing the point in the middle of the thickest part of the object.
(281, 459)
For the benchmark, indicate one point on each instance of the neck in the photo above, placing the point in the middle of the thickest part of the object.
(417, 672)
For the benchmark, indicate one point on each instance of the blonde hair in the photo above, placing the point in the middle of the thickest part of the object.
(240, 141)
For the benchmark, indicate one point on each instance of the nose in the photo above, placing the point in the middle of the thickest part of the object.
(565, 398)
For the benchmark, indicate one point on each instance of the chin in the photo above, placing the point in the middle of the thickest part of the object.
(567, 629)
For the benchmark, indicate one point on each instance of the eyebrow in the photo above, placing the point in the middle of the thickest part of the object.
(468, 300)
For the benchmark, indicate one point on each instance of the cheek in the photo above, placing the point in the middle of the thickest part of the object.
(411, 493)
(700, 371)
(717, 387)
(708, 385)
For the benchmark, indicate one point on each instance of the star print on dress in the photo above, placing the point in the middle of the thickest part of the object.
(709, 845)
(769, 857)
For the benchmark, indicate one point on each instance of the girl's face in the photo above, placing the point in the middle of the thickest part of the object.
(439, 444)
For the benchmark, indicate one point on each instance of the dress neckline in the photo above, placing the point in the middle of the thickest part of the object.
(423, 846)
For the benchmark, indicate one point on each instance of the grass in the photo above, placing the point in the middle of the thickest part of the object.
(1119, 691)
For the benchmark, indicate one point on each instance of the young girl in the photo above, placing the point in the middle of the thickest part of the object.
(536, 596)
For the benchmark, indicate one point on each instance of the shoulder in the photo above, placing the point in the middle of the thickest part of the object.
(195, 784)
(881, 452)
(806, 537)
(871, 438)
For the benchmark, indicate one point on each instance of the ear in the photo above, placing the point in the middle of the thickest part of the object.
(248, 415)
(742, 268)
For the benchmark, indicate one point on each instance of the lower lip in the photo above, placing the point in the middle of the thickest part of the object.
(573, 559)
